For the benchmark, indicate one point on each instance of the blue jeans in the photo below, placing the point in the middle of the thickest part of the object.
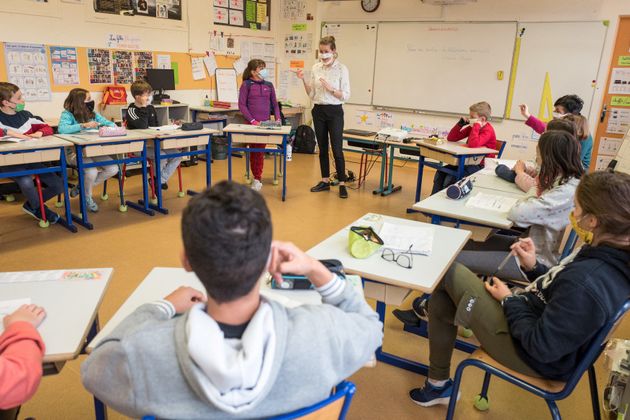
(54, 184)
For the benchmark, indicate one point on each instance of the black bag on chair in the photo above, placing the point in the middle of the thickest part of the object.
(304, 140)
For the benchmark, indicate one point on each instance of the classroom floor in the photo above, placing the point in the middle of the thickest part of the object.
(133, 244)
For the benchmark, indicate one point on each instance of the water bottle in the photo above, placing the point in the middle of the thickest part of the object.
(289, 152)
(206, 101)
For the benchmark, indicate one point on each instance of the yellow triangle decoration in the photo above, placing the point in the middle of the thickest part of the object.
(546, 101)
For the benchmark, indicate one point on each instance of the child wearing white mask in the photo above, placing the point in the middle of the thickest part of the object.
(256, 99)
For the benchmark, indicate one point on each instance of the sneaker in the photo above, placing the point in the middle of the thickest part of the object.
(321, 186)
(256, 185)
(51, 216)
(343, 191)
(91, 205)
(431, 395)
(412, 317)
(164, 186)
(74, 191)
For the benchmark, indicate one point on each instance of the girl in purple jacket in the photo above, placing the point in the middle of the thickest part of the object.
(256, 101)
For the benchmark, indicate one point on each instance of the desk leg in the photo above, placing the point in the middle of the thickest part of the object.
(418, 183)
(100, 411)
(67, 221)
(390, 179)
(144, 203)
(83, 219)
(460, 168)
(284, 166)
(394, 360)
(157, 158)
(381, 187)
(229, 156)
(208, 156)
(193, 115)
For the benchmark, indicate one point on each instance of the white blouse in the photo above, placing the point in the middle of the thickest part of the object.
(338, 77)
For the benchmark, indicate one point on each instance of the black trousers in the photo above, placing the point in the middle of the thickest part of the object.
(328, 121)
(442, 180)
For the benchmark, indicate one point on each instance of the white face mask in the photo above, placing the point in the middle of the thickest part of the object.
(557, 115)
(325, 56)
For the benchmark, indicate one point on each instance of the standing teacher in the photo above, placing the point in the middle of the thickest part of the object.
(328, 88)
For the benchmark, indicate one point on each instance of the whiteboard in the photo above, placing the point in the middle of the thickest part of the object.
(356, 46)
(569, 51)
(227, 88)
(443, 66)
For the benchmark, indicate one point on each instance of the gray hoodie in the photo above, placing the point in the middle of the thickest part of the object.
(154, 363)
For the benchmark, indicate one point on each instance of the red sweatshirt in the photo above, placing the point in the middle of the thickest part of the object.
(21, 353)
(478, 136)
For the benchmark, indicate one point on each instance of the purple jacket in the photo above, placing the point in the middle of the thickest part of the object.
(256, 99)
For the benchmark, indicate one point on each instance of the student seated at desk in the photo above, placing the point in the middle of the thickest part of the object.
(234, 354)
(480, 133)
(563, 107)
(142, 115)
(13, 118)
(544, 330)
(526, 175)
(256, 100)
(543, 212)
(21, 353)
(79, 115)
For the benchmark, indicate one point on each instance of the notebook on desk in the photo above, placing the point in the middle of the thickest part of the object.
(360, 132)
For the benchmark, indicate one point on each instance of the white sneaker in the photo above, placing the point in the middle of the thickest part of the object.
(256, 185)
(91, 205)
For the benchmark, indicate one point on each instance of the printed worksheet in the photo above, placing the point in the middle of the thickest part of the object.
(498, 203)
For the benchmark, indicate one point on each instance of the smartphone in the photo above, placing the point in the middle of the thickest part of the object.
(292, 282)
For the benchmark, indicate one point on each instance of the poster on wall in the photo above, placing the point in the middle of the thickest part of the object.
(294, 9)
(252, 14)
(99, 66)
(162, 9)
(65, 66)
(27, 67)
(142, 60)
(298, 44)
(123, 67)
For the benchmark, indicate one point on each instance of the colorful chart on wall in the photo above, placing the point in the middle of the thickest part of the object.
(122, 66)
(65, 66)
(27, 67)
(142, 60)
(252, 14)
(163, 9)
(99, 66)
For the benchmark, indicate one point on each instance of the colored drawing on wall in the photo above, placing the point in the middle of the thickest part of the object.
(65, 66)
(123, 67)
(142, 60)
(99, 66)
(252, 14)
(27, 67)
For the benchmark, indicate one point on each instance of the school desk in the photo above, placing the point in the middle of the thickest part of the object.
(441, 208)
(389, 177)
(386, 281)
(71, 308)
(251, 134)
(448, 153)
(167, 144)
(44, 149)
(161, 281)
(218, 115)
(91, 144)
(373, 148)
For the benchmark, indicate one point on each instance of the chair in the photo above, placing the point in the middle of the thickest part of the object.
(500, 146)
(551, 391)
(569, 245)
(332, 408)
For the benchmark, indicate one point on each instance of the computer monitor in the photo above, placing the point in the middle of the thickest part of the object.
(161, 79)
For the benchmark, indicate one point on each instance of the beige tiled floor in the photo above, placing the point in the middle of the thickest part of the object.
(133, 243)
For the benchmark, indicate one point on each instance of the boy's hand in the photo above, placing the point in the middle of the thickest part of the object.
(32, 314)
(288, 258)
(524, 110)
(498, 289)
(36, 134)
(525, 251)
(183, 298)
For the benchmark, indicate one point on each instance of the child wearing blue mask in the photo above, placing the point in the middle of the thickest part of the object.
(256, 100)
(79, 115)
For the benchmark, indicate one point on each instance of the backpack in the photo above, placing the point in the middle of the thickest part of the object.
(304, 140)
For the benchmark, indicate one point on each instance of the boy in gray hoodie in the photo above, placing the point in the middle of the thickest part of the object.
(233, 354)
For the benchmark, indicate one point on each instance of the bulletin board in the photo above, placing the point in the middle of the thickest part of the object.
(251, 14)
(183, 62)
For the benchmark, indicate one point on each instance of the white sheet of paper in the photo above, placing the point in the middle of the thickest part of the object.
(197, 69)
(163, 61)
(491, 164)
(401, 237)
(491, 202)
(170, 127)
(9, 306)
(11, 139)
(240, 65)
(211, 64)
